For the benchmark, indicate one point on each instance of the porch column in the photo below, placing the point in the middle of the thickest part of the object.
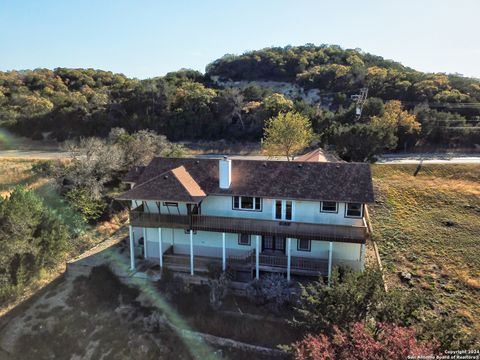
(145, 251)
(191, 252)
(257, 257)
(330, 255)
(132, 248)
(224, 255)
(160, 249)
(289, 243)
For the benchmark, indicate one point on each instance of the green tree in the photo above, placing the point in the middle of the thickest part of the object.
(287, 134)
(361, 142)
(31, 238)
(276, 103)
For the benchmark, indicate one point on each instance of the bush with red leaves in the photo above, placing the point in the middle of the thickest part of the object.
(386, 342)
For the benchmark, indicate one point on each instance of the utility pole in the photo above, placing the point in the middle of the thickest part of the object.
(360, 101)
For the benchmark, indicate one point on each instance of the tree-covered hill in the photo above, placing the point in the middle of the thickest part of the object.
(188, 105)
(331, 68)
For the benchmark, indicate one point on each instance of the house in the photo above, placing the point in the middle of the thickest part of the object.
(252, 216)
(318, 154)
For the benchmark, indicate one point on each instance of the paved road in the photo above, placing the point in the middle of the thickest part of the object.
(430, 158)
(32, 154)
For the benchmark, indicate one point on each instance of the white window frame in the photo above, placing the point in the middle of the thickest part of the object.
(284, 210)
(255, 201)
(329, 211)
(354, 216)
(249, 240)
(309, 249)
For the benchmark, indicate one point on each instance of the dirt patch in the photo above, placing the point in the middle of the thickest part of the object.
(98, 318)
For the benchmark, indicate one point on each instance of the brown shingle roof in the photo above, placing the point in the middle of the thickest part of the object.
(343, 182)
(133, 175)
(172, 185)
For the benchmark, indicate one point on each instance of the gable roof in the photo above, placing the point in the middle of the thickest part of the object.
(318, 155)
(318, 181)
(173, 185)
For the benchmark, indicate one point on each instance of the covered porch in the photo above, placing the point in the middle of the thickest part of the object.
(192, 259)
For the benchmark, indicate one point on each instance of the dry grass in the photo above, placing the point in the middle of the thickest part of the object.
(429, 225)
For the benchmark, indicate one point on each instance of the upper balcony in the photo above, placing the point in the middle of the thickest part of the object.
(293, 229)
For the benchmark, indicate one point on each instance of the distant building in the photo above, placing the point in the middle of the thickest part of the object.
(318, 155)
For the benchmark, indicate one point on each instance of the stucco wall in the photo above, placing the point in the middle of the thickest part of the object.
(207, 243)
(304, 211)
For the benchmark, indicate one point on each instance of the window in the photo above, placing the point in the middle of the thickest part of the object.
(278, 209)
(288, 210)
(244, 239)
(283, 210)
(354, 210)
(304, 245)
(328, 206)
(247, 203)
(172, 206)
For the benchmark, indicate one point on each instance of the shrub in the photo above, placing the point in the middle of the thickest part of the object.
(447, 331)
(81, 199)
(272, 290)
(173, 285)
(388, 342)
(218, 290)
(43, 168)
(353, 297)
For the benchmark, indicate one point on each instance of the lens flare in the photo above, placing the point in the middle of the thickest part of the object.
(197, 348)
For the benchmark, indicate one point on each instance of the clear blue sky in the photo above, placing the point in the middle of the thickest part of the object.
(143, 38)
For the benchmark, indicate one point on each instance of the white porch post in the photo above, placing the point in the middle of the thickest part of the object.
(330, 255)
(160, 249)
(145, 251)
(289, 243)
(132, 248)
(257, 257)
(362, 256)
(191, 252)
(224, 255)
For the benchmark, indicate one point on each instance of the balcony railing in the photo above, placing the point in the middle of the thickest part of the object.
(280, 262)
(294, 229)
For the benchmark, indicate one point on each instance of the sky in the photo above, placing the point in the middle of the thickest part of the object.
(142, 38)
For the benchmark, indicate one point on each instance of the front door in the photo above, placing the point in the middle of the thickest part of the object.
(273, 244)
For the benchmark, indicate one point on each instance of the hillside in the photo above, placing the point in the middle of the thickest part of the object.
(331, 68)
(237, 94)
(428, 225)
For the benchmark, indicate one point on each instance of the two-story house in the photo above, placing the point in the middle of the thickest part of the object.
(291, 217)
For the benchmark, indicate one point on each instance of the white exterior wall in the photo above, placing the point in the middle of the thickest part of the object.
(206, 243)
(303, 211)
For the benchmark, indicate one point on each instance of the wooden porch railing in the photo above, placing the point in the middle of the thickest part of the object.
(274, 261)
(296, 263)
(294, 229)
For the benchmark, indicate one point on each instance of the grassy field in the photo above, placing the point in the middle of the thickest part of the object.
(429, 225)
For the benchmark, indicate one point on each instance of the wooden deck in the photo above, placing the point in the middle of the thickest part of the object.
(299, 230)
